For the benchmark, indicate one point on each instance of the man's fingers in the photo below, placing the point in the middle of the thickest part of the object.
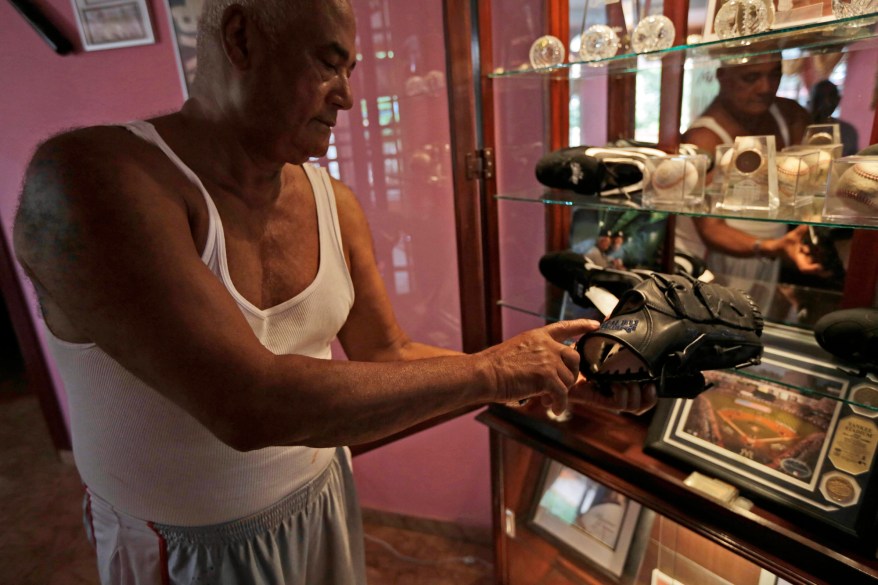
(570, 357)
(566, 329)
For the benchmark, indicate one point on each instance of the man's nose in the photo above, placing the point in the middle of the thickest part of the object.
(765, 85)
(343, 96)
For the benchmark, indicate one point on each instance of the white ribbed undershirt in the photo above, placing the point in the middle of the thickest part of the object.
(149, 458)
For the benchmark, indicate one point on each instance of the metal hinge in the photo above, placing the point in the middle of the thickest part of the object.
(509, 523)
(480, 164)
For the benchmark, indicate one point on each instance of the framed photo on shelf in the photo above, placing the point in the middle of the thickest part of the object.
(589, 521)
(636, 237)
(617, 240)
(113, 24)
(795, 430)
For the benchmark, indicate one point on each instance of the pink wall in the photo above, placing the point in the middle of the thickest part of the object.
(394, 152)
(44, 93)
(442, 473)
(858, 91)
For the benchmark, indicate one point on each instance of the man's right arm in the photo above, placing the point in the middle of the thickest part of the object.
(111, 249)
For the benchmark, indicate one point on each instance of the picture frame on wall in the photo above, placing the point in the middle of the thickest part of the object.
(183, 16)
(113, 24)
(589, 521)
(796, 431)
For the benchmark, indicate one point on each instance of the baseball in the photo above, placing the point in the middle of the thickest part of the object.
(726, 160)
(824, 160)
(790, 171)
(821, 138)
(857, 189)
(675, 178)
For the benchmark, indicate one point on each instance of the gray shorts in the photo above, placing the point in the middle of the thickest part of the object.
(312, 537)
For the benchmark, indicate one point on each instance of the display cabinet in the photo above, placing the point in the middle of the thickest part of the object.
(694, 523)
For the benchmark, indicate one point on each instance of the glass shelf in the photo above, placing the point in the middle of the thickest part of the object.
(857, 32)
(792, 339)
(811, 214)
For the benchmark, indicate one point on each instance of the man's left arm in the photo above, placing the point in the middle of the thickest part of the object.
(372, 332)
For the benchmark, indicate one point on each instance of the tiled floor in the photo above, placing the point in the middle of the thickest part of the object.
(42, 542)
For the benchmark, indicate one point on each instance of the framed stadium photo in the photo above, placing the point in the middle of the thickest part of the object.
(796, 432)
(592, 523)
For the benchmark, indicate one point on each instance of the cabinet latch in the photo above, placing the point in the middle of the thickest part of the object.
(509, 523)
(480, 164)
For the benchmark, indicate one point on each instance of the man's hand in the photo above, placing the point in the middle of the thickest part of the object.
(793, 247)
(632, 397)
(537, 363)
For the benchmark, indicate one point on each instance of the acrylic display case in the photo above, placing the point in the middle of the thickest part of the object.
(675, 180)
(852, 192)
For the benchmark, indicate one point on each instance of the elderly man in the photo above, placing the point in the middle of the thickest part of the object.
(193, 269)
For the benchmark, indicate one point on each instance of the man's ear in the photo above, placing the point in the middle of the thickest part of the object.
(236, 29)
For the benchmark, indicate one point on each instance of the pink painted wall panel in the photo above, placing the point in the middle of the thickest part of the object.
(859, 92)
(393, 149)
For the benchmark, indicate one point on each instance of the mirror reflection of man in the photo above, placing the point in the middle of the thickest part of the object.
(600, 252)
(747, 105)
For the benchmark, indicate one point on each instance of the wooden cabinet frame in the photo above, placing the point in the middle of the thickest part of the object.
(770, 542)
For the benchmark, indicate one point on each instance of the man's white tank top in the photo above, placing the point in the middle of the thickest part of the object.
(152, 460)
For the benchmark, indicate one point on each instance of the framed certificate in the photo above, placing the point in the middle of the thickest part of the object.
(795, 430)
(589, 521)
(112, 24)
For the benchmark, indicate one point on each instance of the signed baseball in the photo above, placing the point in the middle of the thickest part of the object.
(791, 172)
(824, 161)
(857, 189)
(675, 178)
(821, 138)
(726, 160)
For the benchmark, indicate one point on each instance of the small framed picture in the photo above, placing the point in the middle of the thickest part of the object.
(795, 430)
(112, 24)
(589, 521)
(184, 15)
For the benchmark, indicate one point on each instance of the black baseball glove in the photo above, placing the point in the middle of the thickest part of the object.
(667, 330)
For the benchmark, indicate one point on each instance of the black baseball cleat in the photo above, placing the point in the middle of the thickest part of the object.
(851, 335)
(569, 271)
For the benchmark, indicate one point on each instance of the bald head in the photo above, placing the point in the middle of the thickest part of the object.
(276, 20)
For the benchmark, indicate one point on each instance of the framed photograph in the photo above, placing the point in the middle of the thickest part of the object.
(795, 430)
(616, 240)
(183, 15)
(112, 24)
(635, 238)
(588, 520)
